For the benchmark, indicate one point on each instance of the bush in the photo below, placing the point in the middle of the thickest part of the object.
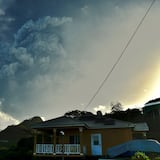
(140, 156)
(157, 158)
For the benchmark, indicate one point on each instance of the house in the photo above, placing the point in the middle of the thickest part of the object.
(152, 108)
(87, 135)
(151, 112)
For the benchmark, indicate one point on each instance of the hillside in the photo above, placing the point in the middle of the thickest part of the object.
(12, 134)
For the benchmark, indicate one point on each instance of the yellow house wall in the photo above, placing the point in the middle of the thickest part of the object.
(110, 137)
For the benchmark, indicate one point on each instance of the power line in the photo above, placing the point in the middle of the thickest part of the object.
(122, 53)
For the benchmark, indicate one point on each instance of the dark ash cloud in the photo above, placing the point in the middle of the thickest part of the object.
(36, 56)
(54, 53)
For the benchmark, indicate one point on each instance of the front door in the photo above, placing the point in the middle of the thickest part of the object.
(96, 144)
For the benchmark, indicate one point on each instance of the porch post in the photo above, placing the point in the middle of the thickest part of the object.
(35, 141)
(81, 140)
(54, 140)
(42, 137)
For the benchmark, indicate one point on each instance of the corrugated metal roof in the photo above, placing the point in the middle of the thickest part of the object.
(141, 127)
(91, 123)
(151, 106)
(60, 122)
(112, 123)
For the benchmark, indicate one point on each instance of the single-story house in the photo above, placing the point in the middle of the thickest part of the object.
(152, 108)
(89, 135)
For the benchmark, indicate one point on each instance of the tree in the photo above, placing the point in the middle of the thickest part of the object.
(77, 113)
(116, 107)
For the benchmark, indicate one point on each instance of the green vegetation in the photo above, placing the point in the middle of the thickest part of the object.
(22, 151)
(18, 146)
(140, 156)
(157, 158)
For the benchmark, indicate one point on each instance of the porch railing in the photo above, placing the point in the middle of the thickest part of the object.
(59, 149)
(44, 148)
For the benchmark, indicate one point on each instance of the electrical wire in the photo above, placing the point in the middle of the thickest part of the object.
(119, 58)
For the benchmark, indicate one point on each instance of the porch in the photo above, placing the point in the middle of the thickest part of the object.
(55, 142)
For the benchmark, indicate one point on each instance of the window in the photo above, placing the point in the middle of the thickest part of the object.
(75, 139)
(95, 140)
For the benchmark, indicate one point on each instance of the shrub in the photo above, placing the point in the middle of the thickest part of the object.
(140, 156)
(157, 158)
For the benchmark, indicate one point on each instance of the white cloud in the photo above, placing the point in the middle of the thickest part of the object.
(6, 120)
(102, 108)
(43, 118)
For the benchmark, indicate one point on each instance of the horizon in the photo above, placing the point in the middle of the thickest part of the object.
(14, 122)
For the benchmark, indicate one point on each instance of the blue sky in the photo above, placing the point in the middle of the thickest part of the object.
(55, 53)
